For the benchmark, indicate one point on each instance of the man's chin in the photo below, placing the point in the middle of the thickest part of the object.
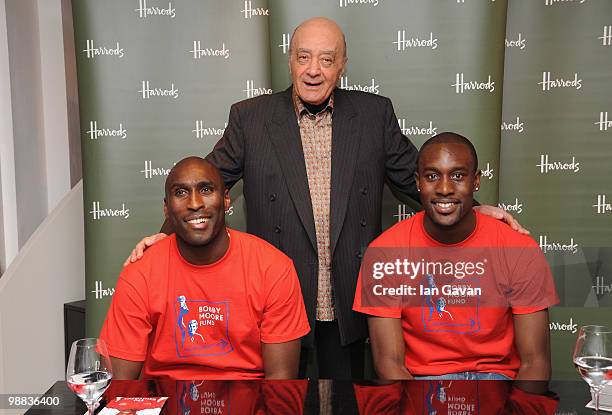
(446, 221)
(194, 240)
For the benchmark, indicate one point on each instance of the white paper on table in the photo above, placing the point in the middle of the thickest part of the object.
(155, 405)
(605, 399)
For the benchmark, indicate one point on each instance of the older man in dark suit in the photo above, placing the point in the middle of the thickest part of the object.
(314, 160)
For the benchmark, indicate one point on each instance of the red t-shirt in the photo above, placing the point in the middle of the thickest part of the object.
(449, 332)
(451, 397)
(187, 321)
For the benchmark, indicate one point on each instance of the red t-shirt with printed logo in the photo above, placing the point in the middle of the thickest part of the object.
(449, 332)
(189, 321)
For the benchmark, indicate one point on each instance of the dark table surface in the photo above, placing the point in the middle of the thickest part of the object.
(344, 397)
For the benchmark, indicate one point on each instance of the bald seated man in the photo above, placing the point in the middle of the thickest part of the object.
(314, 160)
(208, 302)
(484, 313)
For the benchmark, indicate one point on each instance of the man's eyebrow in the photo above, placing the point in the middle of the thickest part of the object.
(189, 184)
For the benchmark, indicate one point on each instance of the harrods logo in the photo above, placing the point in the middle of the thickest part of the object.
(487, 172)
(462, 86)
(604, 123)
(606, 39)
(602, 205)
(553, 246)
(201, 131)
(373, 87)
(251, 91)
(95, 132)
(519, 42)
(92, 51)
(570, 326)
(147, 92)
(144, 11)
(600, 287)
(514, 126)
(547, 166)
(402, 213)
(285, 43)
(199, 52)
(557, 2)
(100, 292)
(413, 130)
(404, 43)
(347, 3)
(516, 207)
(548, 83)
(250, 12)
(98, 213)
(150, 172)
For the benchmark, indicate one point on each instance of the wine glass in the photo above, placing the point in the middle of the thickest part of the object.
(593, 358)
(89, 370)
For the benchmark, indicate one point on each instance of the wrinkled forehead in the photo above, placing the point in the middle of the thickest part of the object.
(324, 35)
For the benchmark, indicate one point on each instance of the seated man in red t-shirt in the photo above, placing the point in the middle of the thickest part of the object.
(459, 294)
(208, 301)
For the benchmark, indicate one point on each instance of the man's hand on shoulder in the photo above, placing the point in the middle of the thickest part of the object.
(142, 246)
(501, 214)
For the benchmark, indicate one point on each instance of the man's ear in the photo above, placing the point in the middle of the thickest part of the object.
(477, 177)
(226, 200)
(417, 180)
(165, 208)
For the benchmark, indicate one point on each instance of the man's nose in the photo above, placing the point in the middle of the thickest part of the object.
(196, 201)
(445, 186)
(314, 67)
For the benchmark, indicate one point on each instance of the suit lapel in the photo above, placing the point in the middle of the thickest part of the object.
(345, 146)
(284, 133)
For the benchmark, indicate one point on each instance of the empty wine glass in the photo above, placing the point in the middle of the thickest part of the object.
(89, 370)
(593, 358)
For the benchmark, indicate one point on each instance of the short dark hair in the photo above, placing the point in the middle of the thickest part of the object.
(449, 137)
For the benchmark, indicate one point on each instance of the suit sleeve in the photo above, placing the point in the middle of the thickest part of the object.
(400, 159)
(228, 154)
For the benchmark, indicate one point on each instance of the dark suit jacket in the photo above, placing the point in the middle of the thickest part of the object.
(262, 146)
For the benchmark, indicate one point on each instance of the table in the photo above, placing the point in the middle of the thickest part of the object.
(344, 397)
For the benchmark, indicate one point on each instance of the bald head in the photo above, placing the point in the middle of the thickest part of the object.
(320, 24)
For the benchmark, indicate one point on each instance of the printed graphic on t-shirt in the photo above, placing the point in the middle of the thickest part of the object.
(442, 397)
(446, 308)
(202, 327)
(199, 397)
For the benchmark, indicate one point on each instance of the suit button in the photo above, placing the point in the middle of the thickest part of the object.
(272, 197)
(358, 254)
(363, 222)
(364, 191)
(277, 229)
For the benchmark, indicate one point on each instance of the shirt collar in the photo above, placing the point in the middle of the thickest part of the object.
(301, 110)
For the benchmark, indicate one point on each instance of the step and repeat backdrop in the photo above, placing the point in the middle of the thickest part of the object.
(528, 81)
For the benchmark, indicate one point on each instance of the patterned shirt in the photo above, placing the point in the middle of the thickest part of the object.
(316, 134)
